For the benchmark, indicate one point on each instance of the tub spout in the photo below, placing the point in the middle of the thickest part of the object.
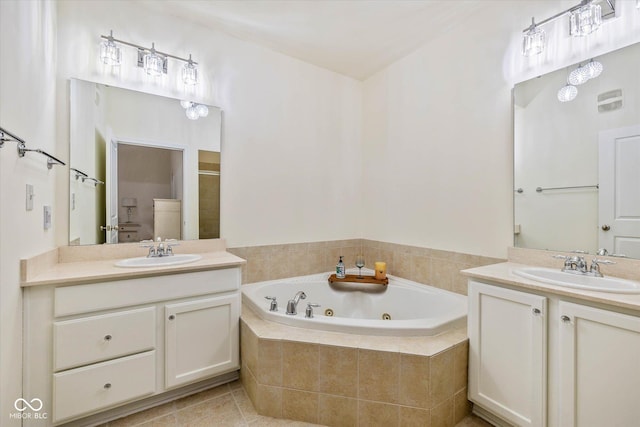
(292, 304)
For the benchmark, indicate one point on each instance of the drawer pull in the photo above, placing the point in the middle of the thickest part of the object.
(172, 317)
(537, 311)
(107, 386)
(565, 319)
(108, 337)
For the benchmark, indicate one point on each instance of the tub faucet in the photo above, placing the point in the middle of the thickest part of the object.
(293, 303)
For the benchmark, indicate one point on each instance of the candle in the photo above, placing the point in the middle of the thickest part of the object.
(381, 270)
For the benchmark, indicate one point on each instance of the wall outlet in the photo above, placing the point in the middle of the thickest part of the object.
(47, 217)
(29, 197)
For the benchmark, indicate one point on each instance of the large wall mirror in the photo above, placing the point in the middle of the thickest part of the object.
(140, 167)
(577, 163)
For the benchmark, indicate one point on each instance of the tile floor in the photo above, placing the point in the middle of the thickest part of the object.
(226, 405)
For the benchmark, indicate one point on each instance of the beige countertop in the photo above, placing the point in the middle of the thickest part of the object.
(503, 274)
(78, 265)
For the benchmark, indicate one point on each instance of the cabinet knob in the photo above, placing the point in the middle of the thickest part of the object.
(107, 386)
(565, 319)
(606, 227)
(536, 311)
(108, 337)
(171, 317)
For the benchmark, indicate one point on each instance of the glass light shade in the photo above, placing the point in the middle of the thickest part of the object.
(153, 63)
(202, 110)
(192, 113)
(186, 104)
(578, 76)
(593, 68)
(110, 53)
(190, 73)
(585, 20)
(533, 41)
(567, 93)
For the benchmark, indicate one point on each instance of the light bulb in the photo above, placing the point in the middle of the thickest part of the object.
(533, 40)
(153, 63)
(190, 72)
(593, 68)
(585, 20)
(578, 76)
(192, 113)
(567, 93)
(110, 53)
(186, 104)
(202, 110)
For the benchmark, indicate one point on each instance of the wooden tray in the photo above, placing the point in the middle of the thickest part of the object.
(355, 279)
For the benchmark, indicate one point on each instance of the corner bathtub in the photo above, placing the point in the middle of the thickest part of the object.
(413, 308)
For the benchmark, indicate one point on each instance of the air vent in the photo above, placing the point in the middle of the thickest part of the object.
(610, 101)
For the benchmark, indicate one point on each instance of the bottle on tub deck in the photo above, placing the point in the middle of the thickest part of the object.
(340, 272)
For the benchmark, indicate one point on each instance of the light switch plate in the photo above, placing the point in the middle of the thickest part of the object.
(47, 217)
(29, 197)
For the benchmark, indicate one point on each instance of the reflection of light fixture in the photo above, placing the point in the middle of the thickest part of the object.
(533, 40)
(190, 72)
(586, 19)
(594, 68)
(129, 203)
(578, 76)
(153, 63)
(567, 93)
(110, 53)
(193, 110)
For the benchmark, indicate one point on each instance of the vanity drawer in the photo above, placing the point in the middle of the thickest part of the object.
(91, 388)
(94, 339)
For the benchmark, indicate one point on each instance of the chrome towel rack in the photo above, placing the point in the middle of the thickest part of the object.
(6, 136)
(85, 177)
(540, 189)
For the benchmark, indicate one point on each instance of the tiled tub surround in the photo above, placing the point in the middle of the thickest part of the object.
(423, 265)
(338, 379)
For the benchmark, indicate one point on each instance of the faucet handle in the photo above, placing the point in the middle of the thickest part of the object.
(274, 304)
(597, 261)
(146, 243)
(309, 311)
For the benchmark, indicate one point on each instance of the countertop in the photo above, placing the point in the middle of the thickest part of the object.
(503, 274)
(58, 268)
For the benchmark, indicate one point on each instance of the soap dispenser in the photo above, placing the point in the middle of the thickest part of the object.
(340, 271)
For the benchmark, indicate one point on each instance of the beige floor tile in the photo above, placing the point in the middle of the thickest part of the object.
(203, 396)
(165, 421)
(244, 404)
(144, 416)
(213, 407)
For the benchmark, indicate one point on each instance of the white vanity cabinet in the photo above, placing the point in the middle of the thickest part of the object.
(508, 353)
(540, 360)
(112, 345)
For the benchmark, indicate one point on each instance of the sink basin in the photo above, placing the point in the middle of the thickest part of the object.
(570, 280)
(158, 261)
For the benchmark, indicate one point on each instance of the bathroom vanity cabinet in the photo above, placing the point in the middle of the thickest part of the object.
(540, 359)
(93, 347)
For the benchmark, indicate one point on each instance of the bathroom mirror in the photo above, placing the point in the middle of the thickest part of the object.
(577, 163)
(140, 168)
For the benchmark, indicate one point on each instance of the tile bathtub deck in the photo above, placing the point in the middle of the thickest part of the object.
(226, 405)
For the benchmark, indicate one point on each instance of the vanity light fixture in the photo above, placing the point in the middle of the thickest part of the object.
(151, 60)
(110, 53)
(584, 18)
(567, 93)
(190, 72)
(578, 76)
(594, 68)
(129, 203)
(533, 40)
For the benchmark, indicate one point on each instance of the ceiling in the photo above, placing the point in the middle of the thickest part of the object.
(356, 38)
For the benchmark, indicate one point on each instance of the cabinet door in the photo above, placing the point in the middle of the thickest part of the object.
(599, 367)
(201, 339)
(507, 353)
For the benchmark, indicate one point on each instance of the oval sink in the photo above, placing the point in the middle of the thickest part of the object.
(579, 281)
(158, 261)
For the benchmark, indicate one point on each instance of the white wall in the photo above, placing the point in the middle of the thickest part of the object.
(297, 124)
(437, 132)
(28, 52)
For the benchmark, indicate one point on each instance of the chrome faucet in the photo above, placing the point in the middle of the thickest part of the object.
(292, 304)
(163, 248)
(577, 265)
